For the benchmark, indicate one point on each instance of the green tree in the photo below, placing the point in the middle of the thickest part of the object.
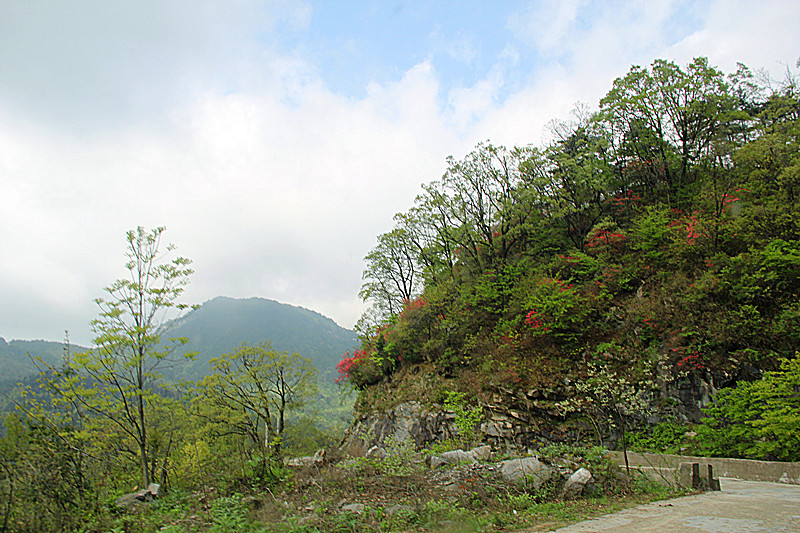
(117, 379)
(667, 118)
(392, 272)
(254, 387)
(759, 419)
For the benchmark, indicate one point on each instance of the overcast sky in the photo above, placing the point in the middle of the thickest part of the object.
(276, 139)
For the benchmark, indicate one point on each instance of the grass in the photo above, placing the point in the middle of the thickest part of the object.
(393, 494)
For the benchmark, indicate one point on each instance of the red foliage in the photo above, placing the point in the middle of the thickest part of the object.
(534, 322)
(692, 361)
(605, 240)
(349, 363)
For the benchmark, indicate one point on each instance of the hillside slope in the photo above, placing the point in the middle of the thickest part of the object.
(15, 358)
(644, 261)
(220, 325)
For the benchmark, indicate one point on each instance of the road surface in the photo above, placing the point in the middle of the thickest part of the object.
(740, 507)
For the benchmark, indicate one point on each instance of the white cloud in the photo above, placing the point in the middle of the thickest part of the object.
(740, 31)
(273, 183)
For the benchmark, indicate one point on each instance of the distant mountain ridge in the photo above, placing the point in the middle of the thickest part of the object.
(15, 362)
(216, 327)
(222, 324)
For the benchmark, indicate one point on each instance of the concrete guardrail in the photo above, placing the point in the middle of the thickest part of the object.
(667, 466)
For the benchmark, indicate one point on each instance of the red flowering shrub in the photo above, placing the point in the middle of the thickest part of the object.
(535, 323)
(360, 369)
(601, 240)
(693, 361)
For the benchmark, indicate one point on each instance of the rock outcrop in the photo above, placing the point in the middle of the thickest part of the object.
(407, 421)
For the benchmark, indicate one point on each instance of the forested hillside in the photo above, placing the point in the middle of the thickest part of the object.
(15, 358)
(222, 324)
(639, 263)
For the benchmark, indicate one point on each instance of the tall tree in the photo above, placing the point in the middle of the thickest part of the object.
(117, 379)
(669, 117)
(392, 272)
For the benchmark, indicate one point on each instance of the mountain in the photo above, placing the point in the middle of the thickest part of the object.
(15, 358)
(216, 327)
(222, 324)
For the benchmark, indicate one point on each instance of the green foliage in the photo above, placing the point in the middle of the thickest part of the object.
(229, 515)
(400, 458)
(652, 235)
(759, 419)
(664, 224)
(552, 306)
(44, 478)
(664, 437)
(467, 419)
(650, 244)
(115, 387)
(254, 387)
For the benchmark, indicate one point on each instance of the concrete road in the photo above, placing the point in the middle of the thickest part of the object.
(740, 507)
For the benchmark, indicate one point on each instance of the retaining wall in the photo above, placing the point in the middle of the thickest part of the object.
(746, 469)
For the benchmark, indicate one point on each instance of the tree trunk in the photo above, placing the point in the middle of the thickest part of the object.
(142, 428)
(624, 442)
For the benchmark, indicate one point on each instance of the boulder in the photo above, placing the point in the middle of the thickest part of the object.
(376, 452)
(318, 459)
(481, 453)
(299, 462)
(357, 508)
(574, 486)
(452, 457)
(143, 496)
(527, 469)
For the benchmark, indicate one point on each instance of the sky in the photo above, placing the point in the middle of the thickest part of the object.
(275, 140)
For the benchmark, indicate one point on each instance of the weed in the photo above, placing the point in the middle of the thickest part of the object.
(229, 515)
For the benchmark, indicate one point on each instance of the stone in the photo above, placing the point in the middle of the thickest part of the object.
(357, 508)
(397, 508)
(451, 457)
(143, 496)
(300, 461)
(458, 456)
(319, 457)
(481, 453)
(527, 468)
(376, 452)
(153, 489)
(574, 486)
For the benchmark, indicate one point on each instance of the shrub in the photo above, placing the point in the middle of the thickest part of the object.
(759, 419)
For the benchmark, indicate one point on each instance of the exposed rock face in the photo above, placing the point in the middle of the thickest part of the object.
(506, 427)
(514, 421)
(408, 421)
